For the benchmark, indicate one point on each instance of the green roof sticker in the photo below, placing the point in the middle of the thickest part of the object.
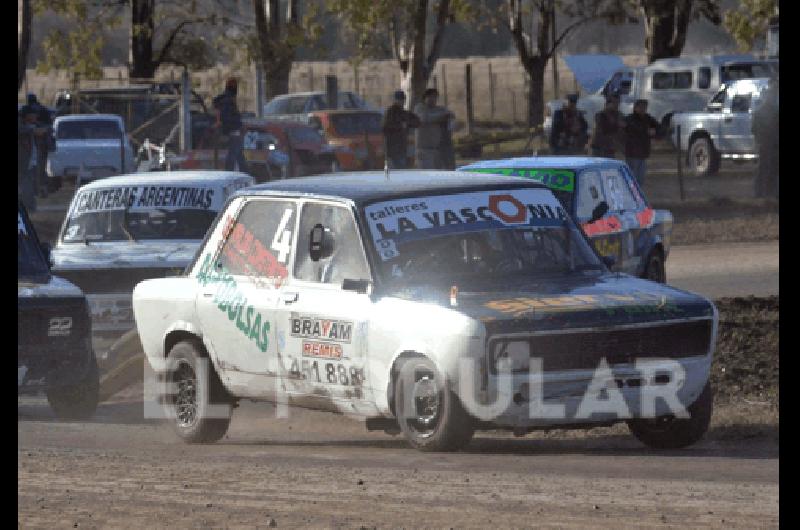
(557, 179)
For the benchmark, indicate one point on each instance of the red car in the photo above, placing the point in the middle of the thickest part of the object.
(300, 150)
(358, 132)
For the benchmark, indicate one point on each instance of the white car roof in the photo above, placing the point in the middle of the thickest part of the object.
(84, 117)
(151, 178)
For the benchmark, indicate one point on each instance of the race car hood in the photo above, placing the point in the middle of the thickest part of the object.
(55, 288)
(607, 300)
(119, 254)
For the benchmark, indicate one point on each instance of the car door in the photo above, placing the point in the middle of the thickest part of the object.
(624, 206)
(239, 289)
(322, 324)
(736, 124)
(605, 232)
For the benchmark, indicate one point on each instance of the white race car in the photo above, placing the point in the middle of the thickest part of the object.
(432, 303)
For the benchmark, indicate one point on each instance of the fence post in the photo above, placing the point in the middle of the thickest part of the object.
(259, 90)
(444, 84)
(680, 162)
(513, 107)
(468, 84)
(491, 92)
(185, 114)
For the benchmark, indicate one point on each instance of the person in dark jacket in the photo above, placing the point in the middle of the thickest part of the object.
(640, 127)
(229, 122)
(28, 139)
(396, 123)
(569, 132)
(609, 124)
(43, 141)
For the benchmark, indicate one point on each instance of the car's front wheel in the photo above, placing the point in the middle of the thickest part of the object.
(201, 405)
(669, 432)
(77, 401)
(703, 158)
(430, 416)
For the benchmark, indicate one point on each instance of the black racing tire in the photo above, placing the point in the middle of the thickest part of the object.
(77, 401)
(655, 268)
(202, 406)
(438, 423)
(676, 433)
(704, 160)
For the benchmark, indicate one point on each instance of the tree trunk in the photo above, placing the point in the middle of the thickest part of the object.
(277, 79)
(24, 40)
(535, 70)
(665, 24)
(276, 55)
(142, 64)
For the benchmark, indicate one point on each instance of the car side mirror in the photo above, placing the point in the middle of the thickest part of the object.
(320, 245)
(609, 261)
(47, 250)
(359, 286)
(599, 211)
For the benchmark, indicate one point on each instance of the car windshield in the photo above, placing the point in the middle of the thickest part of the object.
(732, 72)
(88, 130)
(30, 260)
(355, 124)
(481, 237)
(133, 213)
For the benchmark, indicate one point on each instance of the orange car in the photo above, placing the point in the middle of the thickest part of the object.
(357, 133)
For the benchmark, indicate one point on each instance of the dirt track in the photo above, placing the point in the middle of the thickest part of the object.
(317, 469)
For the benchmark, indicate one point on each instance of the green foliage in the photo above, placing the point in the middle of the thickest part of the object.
(749, 22)
(79, 49)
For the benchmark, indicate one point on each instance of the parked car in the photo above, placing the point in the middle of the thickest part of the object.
(358, 134)
(602, 195)
(680, 84)
(376, 296)
(724, 129)
(121, 230)
(89, 147)
(299, 104)
(54, 348)
(275, 149)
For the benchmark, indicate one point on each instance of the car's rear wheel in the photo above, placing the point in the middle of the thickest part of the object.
(77, 401)
(655, 270)
(430, 416)
(703, 158)
(200, 403)
(669, 432)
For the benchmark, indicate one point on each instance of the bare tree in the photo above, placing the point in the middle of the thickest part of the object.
(666, 23)
(530, 23)
(407, 24)
(25, 14)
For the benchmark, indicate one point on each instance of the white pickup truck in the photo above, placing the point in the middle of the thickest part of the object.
(89, 146)
(724, 130)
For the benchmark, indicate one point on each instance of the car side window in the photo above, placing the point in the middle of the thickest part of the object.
(704, 78)
(741, 102)
(346, 260)
(618, 194)
(258, 242)
(590, 194)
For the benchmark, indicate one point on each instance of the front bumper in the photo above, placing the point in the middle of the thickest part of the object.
(43, 367)
(637, 385)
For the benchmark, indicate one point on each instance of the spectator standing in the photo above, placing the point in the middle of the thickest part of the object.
(569, 132)
(609, 124)
(229, 122)
(28, 156)
(44, 144)
(447, 151)
(640, 127)
(396, 123)
(765, 131)
(429, 133)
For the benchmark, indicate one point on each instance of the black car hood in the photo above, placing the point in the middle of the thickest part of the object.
(570, 302)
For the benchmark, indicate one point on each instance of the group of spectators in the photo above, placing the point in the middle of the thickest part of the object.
(434, 133)
(613, 133)
(34, 141)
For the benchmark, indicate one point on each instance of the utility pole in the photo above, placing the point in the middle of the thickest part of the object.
(554, 58)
